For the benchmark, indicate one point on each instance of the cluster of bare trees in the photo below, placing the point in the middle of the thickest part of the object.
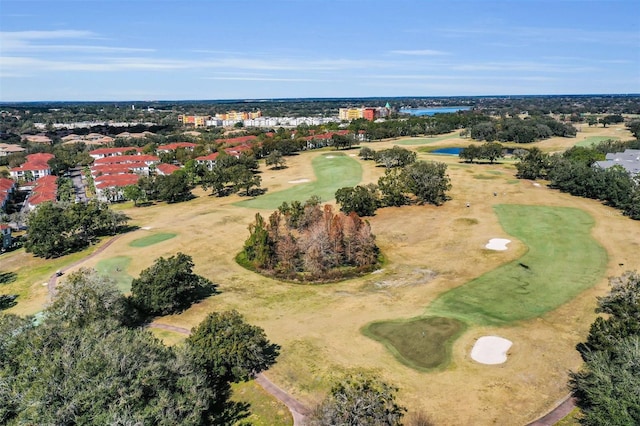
(310, 242)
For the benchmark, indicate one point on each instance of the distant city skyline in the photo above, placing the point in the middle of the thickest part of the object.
(99, 50)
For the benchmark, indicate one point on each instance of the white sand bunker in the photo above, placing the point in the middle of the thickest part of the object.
(146, 228)
(329, 156)
(490, 350)
(499, 244)
(299, 181)
(536, 184)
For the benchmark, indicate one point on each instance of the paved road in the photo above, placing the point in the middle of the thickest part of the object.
(78, 184)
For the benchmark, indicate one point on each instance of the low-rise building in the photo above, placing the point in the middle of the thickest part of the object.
(35, 167)
(45, 189)
(8, 149)
(174, 146)
(7, 188)
(629, 160)
(165, 169)
(112, 152)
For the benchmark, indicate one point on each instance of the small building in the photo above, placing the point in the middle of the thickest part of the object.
(628, 160)
(174, 146)
(45, 189)
(113, 152)
(7, 188)
(36, 166)
(8, 149)
(5, 233)
(165, 169)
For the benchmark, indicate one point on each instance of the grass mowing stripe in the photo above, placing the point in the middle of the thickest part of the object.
(562, 261)
(332, 170)
(151, 239)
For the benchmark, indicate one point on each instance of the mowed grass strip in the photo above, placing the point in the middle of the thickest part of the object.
(265, 409)
(151, 239)
(116, 268)
(420, 343)
(562, 261)
(593, 140)
(332, 170)
(424, 141)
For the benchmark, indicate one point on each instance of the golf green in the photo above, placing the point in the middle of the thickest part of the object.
(420, 343)
(151, 239)
(116, 268)
(562, 260)
(332, 171)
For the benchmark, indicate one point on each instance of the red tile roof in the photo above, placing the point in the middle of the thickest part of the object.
(117, 181)
(126, 159)
(166, 169)
(35, 162)
(6, 184)
(176, 145)
(210, 157)
(114, 151)
(116, 169)
(45, 189)
(237, 141)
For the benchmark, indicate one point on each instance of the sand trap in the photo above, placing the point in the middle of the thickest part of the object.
(490, 350)
(536, 184)
(329, 156)
(299, 181)
(352, 155)
(499, 244)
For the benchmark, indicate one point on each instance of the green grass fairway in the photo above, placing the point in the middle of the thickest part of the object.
(424, 141)
(562, 261)
(116, 268)
(420, 343)
(592, 140)
(151, 239)
(332, 170)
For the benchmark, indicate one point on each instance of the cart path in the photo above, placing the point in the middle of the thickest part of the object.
(51, 285)
(561, 411)
(298, 410)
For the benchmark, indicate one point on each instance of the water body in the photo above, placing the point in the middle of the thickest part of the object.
(447, 151)
(432, 111)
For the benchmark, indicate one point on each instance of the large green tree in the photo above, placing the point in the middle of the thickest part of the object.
(428, 181)
(229, 348)
(168, 286)
(359, 400)
(607, 386)
(363, 200)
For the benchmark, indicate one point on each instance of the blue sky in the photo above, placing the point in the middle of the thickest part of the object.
(98, 50)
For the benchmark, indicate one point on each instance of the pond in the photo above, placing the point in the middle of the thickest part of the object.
(447, 151)
(433, 111)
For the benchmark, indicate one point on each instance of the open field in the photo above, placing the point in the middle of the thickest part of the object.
(331, 171)
(562, 260)
(428, 250)
(428, 140)
(151, 239)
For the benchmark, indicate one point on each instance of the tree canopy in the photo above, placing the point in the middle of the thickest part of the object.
(56, 229)
(359, 399)
(606, 387)
(169, 286)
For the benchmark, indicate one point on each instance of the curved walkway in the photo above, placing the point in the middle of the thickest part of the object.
(297, 409)
(561, 411)
(51, 285)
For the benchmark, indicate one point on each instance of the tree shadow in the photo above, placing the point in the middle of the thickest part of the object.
(234, 413)
(8, 301)
(8, 277)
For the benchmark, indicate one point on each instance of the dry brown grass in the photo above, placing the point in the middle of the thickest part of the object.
(429, 250)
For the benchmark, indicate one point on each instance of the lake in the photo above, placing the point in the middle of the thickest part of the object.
(447, 151)
(432, 111)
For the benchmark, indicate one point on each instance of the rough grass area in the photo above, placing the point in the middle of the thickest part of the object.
(422, 343)
(562, 261)
(265, 409)
(424, 141)
(593, 140)
(116, 268)
(332, 171)
(151, 239)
